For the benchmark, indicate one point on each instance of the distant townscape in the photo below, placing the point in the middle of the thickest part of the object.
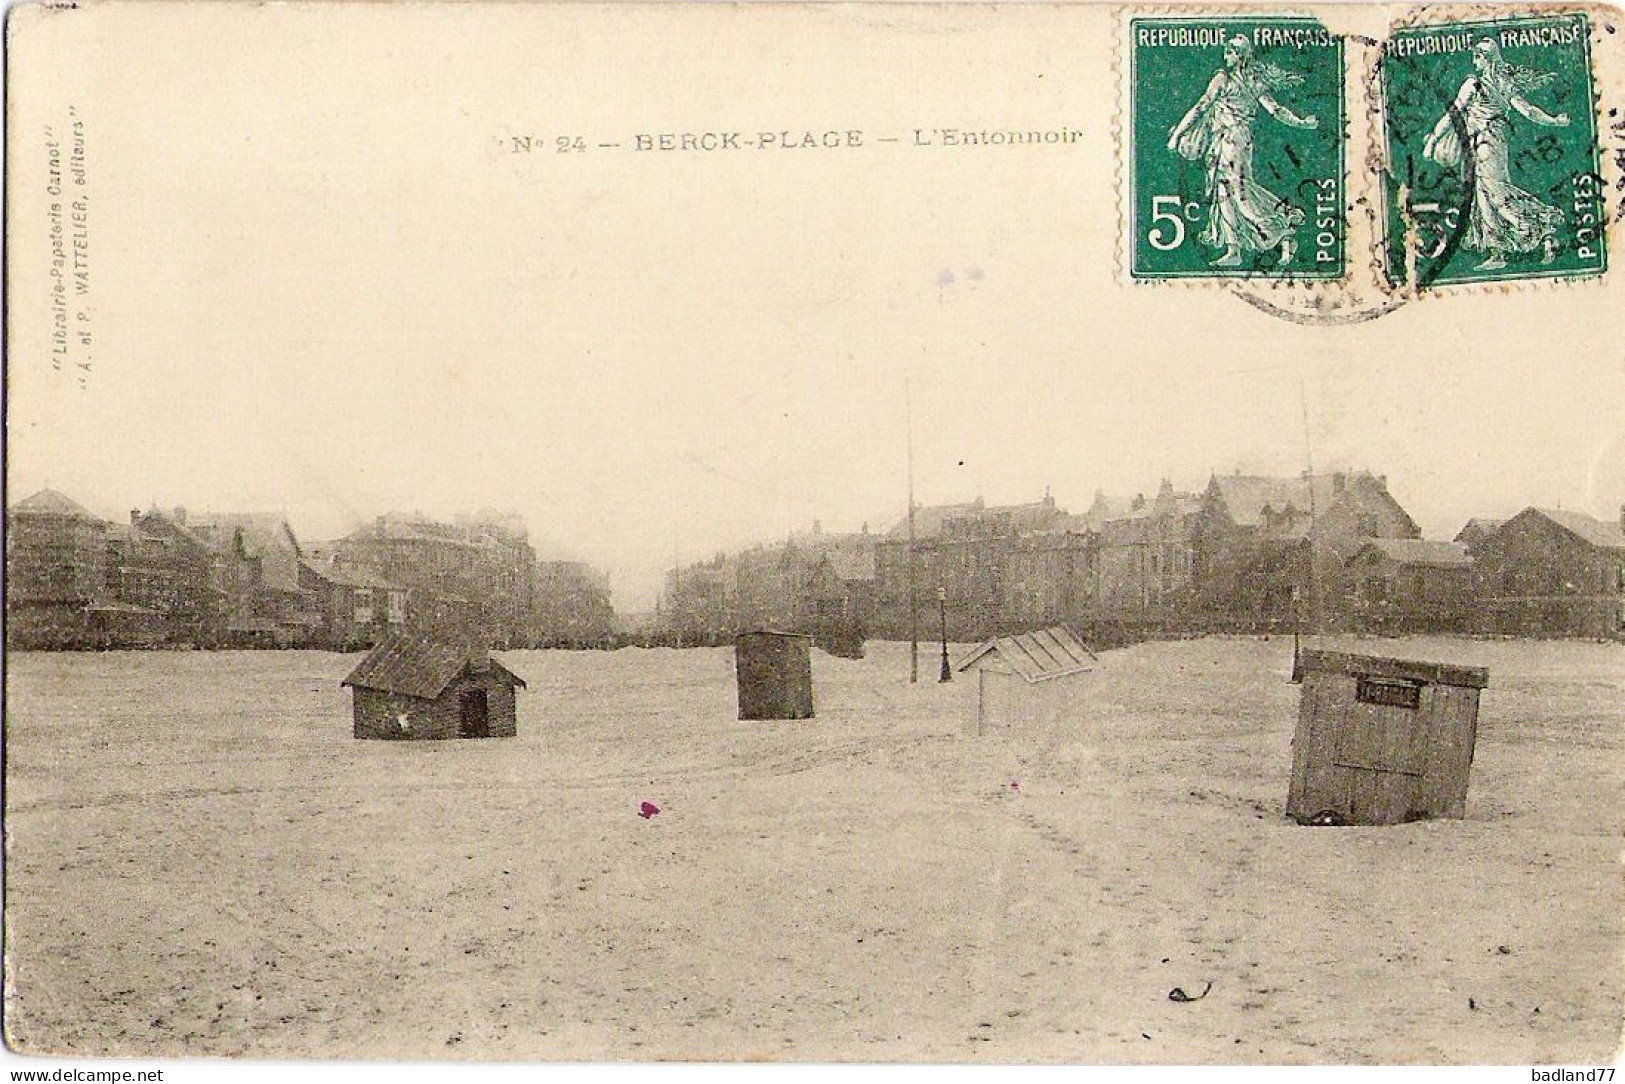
(166, 578)
(1327, 552)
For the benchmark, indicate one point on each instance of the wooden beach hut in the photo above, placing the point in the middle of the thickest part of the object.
(1025, 679)
(1381, 740)
(416, 687)
(774, 671)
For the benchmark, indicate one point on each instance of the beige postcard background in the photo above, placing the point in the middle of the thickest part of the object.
(325, 273)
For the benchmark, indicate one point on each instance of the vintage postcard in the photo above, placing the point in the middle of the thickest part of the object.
(861, 532)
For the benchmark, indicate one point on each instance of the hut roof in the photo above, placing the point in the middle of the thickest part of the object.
(417, 667)
(1036, 656)
(1427, 673)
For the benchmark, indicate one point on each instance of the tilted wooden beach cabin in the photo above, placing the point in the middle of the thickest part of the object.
(1025, 679)
(416, 687)
(774, 671)
(1381, 740)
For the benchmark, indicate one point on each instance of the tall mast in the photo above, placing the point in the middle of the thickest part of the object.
(1315, 602)
(913, 561)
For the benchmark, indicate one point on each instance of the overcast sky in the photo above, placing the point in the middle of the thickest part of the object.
(321, 284)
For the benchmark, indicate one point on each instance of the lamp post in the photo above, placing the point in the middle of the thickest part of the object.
(942, 613)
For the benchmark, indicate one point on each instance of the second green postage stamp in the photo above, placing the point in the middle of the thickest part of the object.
(1235, 131)
(1492, 152)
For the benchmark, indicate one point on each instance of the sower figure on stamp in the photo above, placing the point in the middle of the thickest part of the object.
(1503, 218)
(1243, 215)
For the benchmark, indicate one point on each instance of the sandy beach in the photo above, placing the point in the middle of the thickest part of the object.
(202, 861)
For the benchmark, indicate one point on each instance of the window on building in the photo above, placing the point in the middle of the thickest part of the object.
(397, 607)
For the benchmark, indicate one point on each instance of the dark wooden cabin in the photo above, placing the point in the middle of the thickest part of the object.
(774, 670)
(418, 688)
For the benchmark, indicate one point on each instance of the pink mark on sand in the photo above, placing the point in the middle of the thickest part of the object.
(647, 810)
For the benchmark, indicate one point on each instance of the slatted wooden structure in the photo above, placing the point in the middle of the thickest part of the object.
(1021, 679)
(774, 671)
(1382, 740)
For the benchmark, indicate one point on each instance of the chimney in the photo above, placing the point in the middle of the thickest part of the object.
(135, 516)
(818, 526)
(1340, 482)
(180, 515)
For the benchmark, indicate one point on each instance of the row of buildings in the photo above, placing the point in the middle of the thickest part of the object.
(1246, 553)
(166, 577)
(816, 581)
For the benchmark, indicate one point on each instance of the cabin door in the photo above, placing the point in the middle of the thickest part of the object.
(1382, 752)
(475, 720)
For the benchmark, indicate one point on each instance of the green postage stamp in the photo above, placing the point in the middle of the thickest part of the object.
(1492, 170)
(1235, 128)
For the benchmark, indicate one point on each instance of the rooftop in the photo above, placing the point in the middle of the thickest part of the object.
(1036, 656)
(416, 666)
(1246, 496)
(1608, 534)
(1425, 552)
(48, 502)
